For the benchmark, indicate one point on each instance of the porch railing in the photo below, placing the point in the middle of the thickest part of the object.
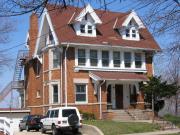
(5, 126)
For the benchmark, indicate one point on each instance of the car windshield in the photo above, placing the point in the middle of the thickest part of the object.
(35, 117)
(67, 112)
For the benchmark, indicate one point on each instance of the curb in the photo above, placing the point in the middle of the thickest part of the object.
(93, 128)
(174, 131)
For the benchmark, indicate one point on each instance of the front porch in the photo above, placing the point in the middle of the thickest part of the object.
(124, 95)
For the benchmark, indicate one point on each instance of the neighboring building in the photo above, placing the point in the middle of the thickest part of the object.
(92, 59)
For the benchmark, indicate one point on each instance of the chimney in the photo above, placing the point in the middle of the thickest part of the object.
(33, 33)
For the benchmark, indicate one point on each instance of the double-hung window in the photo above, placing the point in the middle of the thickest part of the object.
(105, 58)
(93, 57)
(56, 58)
(81, 57)
(55, 94)
(81, 93)
(138, 60)
(89, 29)
(82, 28)
(116, 59)
(127, 59)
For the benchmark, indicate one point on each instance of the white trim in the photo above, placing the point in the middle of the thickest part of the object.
(55, 82)
(133, 15)
(80, 80)
(90, 10)
(45, 15)
(105, 46)
(86, 86)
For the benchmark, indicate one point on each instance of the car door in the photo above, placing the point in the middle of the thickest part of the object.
(46, 120)
(23, 122)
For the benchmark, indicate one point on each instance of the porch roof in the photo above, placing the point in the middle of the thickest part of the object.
(115, 75)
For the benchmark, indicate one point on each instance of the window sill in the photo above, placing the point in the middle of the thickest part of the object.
(81, 103)
(38, 76)
(77, 68)
(38, 97)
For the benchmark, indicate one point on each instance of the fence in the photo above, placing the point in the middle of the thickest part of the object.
(5, 126)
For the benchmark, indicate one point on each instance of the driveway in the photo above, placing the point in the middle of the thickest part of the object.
(85, 130)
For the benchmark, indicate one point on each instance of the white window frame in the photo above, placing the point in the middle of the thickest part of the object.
(130, 59)
(51, 100)
(117, 59)
(86, 86)
(140, 60)
(111, 67)
(81, 57)
(38, 94)
(93, 58)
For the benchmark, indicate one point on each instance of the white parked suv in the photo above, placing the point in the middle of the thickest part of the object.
(60, 119)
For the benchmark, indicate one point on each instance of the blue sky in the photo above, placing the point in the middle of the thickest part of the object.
(19, 36)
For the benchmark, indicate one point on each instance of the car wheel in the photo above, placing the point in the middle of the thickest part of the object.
(54, 130)
(37, 130)
(75, 130)
(42, 129)
(20, 129)
(27, 128)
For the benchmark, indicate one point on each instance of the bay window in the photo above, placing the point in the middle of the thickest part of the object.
(116, 59)
(93, 57)
(81, 57)
(105, 58)
(127, 59)
(138, 60)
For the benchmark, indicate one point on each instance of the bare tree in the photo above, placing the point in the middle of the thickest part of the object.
(5, 28)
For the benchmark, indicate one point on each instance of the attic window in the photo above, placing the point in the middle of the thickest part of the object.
(89, 29)
(82, 28)
(85, 17)
(127, 33)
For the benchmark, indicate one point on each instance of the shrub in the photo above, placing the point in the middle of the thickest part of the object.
(88, 116)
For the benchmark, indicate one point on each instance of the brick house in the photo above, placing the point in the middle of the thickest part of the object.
(92, 59)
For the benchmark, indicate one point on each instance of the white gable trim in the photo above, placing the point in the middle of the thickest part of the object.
(90, 10)
(27, 37)
(45, 15)
(133, 15)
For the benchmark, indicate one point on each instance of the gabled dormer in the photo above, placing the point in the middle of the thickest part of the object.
(86, 22)
(129, 30)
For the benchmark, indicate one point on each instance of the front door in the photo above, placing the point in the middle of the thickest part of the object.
(119, 96)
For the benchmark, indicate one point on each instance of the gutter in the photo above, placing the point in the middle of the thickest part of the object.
(100, 100)
(65, 72)
(108, 45)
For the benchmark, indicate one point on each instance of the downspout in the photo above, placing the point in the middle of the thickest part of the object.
(66, 74)
(100, 99)
(61, 101)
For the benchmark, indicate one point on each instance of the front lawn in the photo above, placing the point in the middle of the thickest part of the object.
(174, 119)
(115, 128)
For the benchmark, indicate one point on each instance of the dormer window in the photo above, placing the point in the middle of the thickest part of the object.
(82, 28)
(89, 29)
(131, 33)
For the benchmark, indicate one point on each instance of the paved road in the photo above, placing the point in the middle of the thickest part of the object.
(48, 133)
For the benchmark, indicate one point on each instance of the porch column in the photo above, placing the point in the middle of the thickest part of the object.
(140, 100)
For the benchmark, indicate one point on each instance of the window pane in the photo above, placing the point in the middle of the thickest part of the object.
(82, 28)
(56, 58)
(56, 113)
(105, 58)
(81, 93)
(127, 59)
(127, 33)
(138, 60)
(116, 59)
(89, 29)
(52, 114)
(55, 93)
(93, 57)
(81, 57)
(67, 112)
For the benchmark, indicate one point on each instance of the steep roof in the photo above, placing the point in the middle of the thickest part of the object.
(62, 22)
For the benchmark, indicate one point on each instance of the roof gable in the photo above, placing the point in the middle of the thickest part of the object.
(134, 16)
(88, 10)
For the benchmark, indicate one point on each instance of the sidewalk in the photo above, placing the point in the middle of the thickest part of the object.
(173, 131)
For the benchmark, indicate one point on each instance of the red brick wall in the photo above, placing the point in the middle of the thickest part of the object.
(149, 66)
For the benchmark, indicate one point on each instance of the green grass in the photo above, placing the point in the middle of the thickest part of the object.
(174, 119)
(116, 128)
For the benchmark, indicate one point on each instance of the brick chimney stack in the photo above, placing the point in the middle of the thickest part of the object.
(33, 33)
